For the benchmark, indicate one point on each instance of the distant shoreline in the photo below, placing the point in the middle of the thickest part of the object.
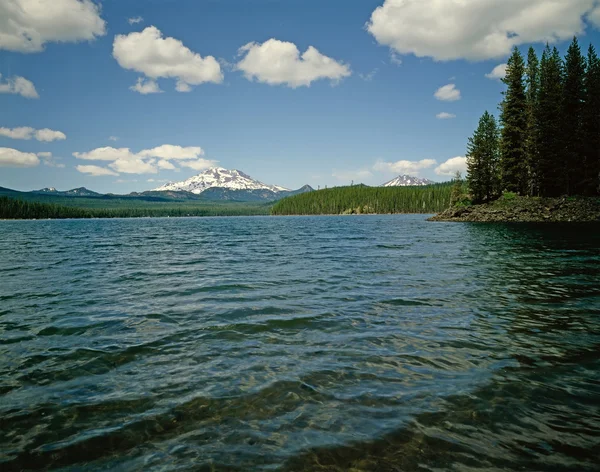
(526, 210)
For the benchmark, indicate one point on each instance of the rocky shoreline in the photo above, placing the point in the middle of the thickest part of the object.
(526, 209)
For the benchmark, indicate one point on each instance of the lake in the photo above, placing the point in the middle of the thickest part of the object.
(298, 343)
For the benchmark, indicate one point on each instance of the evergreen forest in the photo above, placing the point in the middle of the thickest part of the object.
(360, 199)
(547, 140)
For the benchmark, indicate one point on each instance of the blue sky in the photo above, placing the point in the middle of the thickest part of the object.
(363, 108)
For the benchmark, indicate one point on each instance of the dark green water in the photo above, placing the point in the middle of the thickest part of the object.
(380, 343)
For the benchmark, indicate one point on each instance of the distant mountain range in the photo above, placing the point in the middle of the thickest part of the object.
(218, 177)
(213, 185)
(76, 192)
(407, 181)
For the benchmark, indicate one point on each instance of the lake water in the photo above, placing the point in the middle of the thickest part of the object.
(379, 343)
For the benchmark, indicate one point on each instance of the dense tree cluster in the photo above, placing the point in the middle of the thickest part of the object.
(359, 199)
(548, 142)
(11, 208)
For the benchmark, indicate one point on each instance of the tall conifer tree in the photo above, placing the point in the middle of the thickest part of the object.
(482, 160)
(514, 126)
(572, 119)
(551, 151)
(591, 124)
(533, 90)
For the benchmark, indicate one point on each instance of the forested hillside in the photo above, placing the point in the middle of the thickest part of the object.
(360, 199)
(11, 208)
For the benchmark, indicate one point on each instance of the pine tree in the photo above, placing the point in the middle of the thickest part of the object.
(531, 144)
(551, 152)
(482, 160)
(591, 124)
(514, 126)
(572, 119)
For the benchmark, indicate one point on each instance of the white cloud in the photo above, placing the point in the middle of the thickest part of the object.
(95, 170)
(352, 175)
(475, 29)
(165, 165)
(451, 166)
(395, 58)
(113, 138)
(279, 63)
(148, 161)
(18, 86)
(156, 57)
(169, 151)
(48, 135)
(498, 73)
(404, 167)
(50, 161)
(370, 76)
(26, 25)
(134, 166)
(135, 20)
(25, 132)
(445, 116)
(105, 154)
(448, 93)
(594, 17)
(199, 164)
(145, 86)
(12, 158)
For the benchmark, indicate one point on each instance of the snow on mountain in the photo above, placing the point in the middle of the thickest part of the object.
(220, 178)
(406, 181)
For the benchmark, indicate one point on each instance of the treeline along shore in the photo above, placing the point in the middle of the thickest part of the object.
(541, 162)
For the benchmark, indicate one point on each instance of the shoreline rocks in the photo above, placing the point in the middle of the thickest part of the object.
(527, 209)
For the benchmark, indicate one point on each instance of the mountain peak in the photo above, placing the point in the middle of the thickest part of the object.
(407, 181)
(219, 177)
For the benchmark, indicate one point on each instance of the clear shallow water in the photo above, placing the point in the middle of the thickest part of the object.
(374, 343)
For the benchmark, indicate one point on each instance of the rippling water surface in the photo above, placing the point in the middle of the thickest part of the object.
(379, 343)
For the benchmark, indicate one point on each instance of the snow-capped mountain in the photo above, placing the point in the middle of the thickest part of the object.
(406, 181)
(217, 177)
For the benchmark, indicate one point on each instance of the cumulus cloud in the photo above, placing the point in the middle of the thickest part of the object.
(25, 132)
(134, 165)
(13, 158)
(594, 17)
(145, 86)
(27, 25)
(155, 56)
(113, 138)
(165, 165)
(448, 93)
(404, 167)
(277, 62)
(169, 151)
(18, 85)
(148, 161)
(498, 73)
(96, 171)
(49, 160)
(135, 20)
(451, 166)
(476, 29)
(105, 154)
(198, 164)
(445, 116)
